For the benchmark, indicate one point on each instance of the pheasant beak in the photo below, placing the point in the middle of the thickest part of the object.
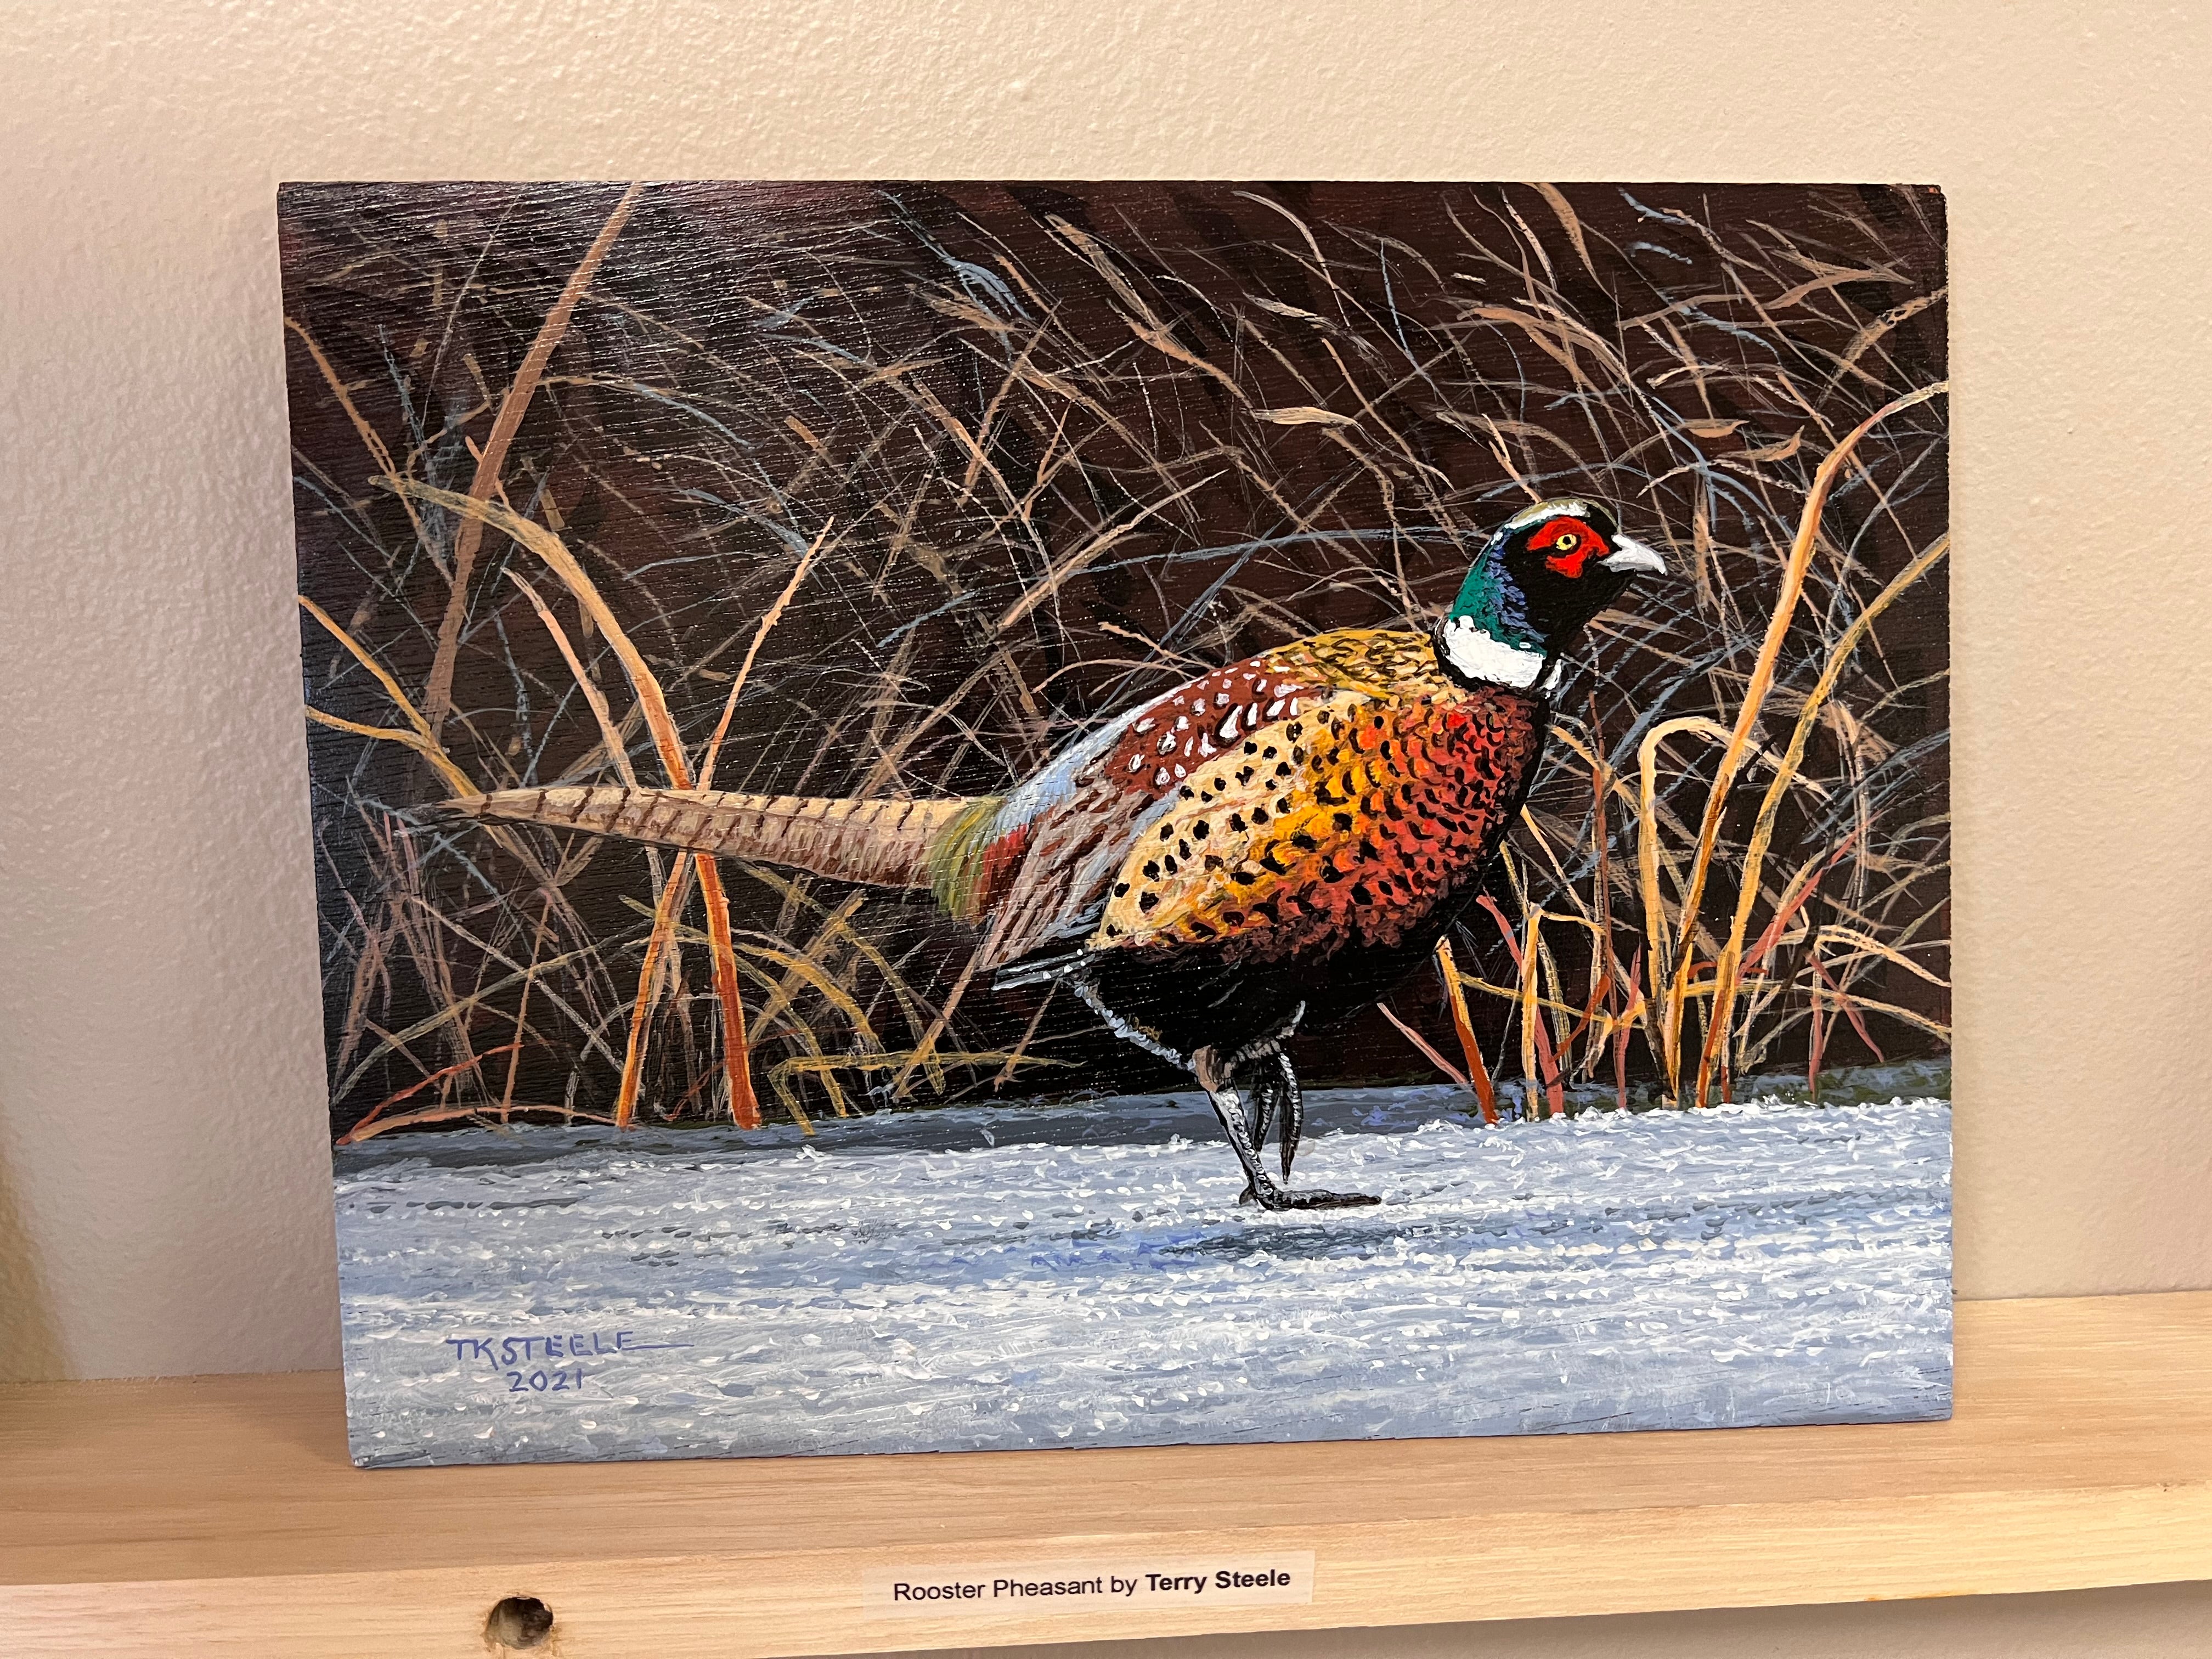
(1633, 558)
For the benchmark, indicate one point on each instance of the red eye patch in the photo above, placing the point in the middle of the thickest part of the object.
(1570, 543)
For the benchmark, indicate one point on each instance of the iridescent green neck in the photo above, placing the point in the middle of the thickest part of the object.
(1491, 601)
(1487, 638)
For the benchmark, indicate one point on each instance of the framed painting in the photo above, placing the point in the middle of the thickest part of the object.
(1014, 816)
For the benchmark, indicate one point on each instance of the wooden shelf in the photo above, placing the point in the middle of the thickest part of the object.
(220, 1514)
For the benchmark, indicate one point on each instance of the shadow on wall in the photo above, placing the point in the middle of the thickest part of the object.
(30, 1342)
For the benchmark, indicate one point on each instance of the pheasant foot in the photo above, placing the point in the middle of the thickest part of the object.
(1267, 1076)
(1304, 1198)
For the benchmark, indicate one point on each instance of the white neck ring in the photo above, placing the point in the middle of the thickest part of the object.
(1477, 654)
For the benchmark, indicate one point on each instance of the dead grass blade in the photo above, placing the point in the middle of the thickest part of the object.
(595, 699)
(767, 621)
(359, 1133)
(1478, 1075)
(1427, 1049)
(1729, 970)
(1754, 698)
(422, 740)
(438, 699)
(370, 439)
(744, 1107)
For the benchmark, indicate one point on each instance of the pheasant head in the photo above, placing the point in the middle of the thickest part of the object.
(1538, 581)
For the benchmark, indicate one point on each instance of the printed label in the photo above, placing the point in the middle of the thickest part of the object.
(1035, 1588)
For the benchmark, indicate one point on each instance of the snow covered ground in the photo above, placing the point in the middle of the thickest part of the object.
(1082, 1275)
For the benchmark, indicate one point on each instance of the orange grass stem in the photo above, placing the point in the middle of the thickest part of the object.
(745, 1105)
(1478, 1075)
(446, 1114)
(1754, 698)
(416, 1088)
(1728, 973)
(1537, 1064)
(1428, 1050)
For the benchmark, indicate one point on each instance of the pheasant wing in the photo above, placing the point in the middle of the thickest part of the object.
(1062, 838)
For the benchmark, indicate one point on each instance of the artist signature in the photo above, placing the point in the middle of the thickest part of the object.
(539, 1363)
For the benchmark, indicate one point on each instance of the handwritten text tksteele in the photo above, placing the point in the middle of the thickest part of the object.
(506, 1351)
(534, 1363)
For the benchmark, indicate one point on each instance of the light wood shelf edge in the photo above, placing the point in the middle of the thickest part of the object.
(218, 1515)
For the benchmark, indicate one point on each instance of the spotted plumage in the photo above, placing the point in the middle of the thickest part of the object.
(1273, 843)
(1344, 824)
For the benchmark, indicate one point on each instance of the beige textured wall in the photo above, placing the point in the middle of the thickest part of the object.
(162, 1197)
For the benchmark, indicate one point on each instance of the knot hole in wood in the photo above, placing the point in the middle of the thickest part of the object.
(518, 1622)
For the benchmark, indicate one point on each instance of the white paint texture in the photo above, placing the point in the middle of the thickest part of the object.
(163, 1204)
(975, 1279)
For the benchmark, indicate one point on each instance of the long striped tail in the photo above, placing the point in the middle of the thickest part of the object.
(883, 843)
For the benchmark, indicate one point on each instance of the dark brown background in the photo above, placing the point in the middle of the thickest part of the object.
(755, 362)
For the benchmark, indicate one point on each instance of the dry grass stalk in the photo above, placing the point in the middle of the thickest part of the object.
(769, 620)
(1428, 1050)
(421, 739)
(371, 441)
(745, 1107)
(1748, 712)
(486, 484)
(1727, 972)
(594, 699)
(1478, 1075)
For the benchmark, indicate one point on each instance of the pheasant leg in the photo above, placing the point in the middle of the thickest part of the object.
(1294, 1111)
(1264, 1088)
(1276, 1084)
(1219, 1079)
(1267, 1104)
(1293, 1108)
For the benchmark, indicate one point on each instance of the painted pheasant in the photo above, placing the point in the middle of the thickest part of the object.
(1276, 842)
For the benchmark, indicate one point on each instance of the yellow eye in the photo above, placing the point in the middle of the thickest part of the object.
(1566, 542)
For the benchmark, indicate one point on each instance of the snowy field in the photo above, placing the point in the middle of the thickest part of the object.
(1082, 1275)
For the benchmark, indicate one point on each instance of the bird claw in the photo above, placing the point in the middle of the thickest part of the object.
(1306, 1198)
(1315, 1198)
(1275, 1093)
